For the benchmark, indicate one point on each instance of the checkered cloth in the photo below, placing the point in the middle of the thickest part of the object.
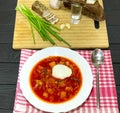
(108, 97)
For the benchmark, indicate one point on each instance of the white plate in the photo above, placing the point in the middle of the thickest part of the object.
(66, 106)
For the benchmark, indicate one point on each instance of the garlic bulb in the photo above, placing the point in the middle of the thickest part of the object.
(55, 4)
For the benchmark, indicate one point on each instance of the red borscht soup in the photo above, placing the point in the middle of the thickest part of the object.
(51, 89)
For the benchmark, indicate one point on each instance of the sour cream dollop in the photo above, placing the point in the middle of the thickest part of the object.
(61, 71)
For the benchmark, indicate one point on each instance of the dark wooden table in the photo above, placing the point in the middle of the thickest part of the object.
(9, 58)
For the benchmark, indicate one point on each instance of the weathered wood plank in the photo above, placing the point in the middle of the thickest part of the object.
(6, 37)
(111, 4)
(7, 17)
(113, 17)
(7, 54)
(6, 27)
(115, 52)
(114, 34)
(7, 95)
(8, 73)
(6, 111)
(118, 94)
(7, 4)
(116, 68)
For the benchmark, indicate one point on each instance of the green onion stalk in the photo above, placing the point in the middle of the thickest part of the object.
(44, 28)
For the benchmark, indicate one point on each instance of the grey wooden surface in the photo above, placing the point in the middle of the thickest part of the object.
(9, 58)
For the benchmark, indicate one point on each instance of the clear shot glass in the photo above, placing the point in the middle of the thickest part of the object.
(76, 13)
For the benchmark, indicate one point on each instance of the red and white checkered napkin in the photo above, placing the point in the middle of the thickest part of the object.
(108, 97)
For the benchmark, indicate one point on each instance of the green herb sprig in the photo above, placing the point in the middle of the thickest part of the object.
(44, 28)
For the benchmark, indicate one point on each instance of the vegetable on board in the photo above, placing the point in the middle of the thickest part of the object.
(44, 28)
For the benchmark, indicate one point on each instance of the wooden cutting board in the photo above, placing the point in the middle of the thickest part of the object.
(82, 35)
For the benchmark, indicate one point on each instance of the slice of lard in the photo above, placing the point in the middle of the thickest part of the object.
(90, 1)
(61, 71)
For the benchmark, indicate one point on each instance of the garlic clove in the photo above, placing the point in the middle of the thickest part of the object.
(62, 26)
(68, 25)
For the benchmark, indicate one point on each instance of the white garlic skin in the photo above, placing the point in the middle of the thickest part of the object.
(55, 4)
